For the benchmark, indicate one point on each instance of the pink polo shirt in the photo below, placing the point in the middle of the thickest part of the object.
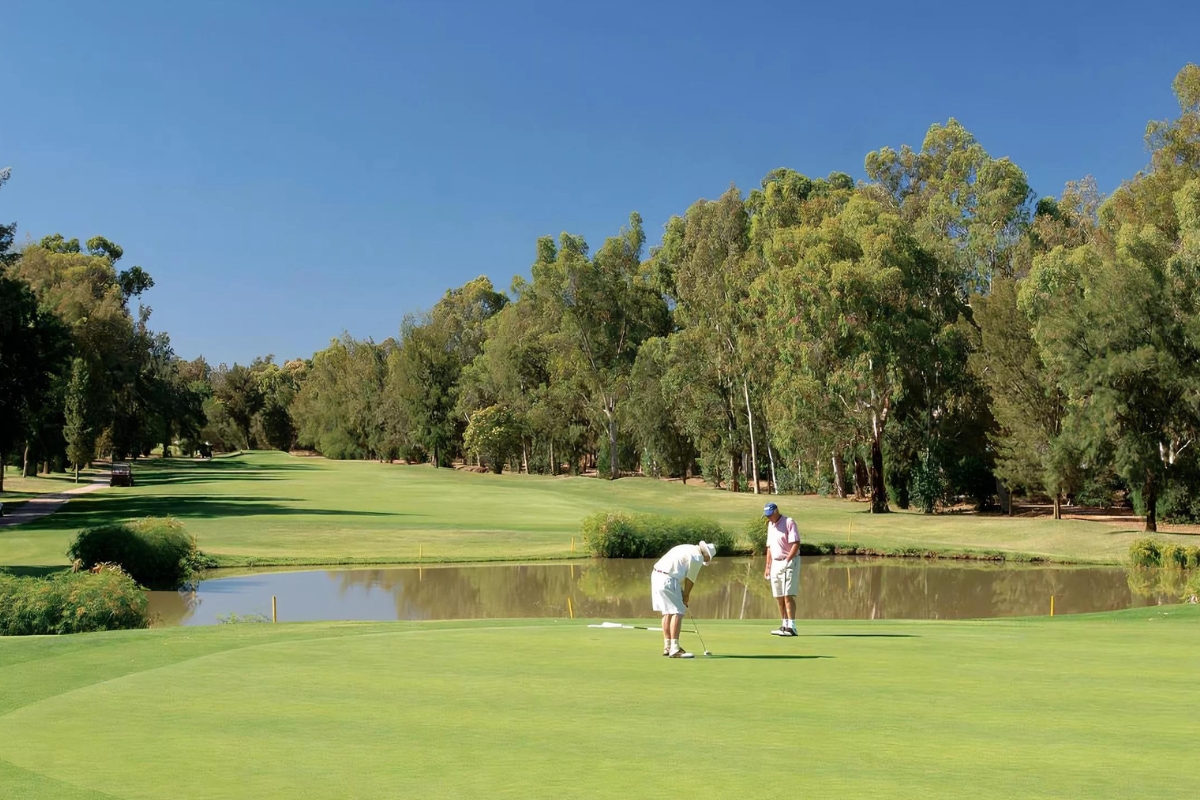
(781, 536)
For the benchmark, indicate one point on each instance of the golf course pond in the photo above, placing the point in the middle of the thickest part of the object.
(733, 588)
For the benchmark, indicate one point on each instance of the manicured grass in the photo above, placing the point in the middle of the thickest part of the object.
(1093, 706)
(270, 508)
(19, 488)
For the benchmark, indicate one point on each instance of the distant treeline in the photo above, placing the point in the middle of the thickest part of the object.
(932, 334)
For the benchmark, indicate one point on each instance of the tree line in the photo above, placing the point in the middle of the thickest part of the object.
(930, 334)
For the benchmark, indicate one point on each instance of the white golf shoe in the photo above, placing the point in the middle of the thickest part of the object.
(681, 653)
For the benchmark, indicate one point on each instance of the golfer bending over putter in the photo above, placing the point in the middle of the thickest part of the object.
(671, 585)
(783, 566)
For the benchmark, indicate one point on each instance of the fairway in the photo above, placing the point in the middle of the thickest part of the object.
(271, 508)
(555, 709)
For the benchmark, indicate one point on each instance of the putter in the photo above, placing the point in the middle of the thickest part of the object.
(627, 627)
(696, 628)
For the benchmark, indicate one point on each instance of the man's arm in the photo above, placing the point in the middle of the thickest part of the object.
(794, 536)
(687, 590)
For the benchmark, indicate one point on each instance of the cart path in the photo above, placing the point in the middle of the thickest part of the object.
(47, 504)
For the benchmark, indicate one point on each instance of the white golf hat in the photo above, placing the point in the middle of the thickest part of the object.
(710, 548)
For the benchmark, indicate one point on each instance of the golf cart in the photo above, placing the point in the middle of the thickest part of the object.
(121, 475)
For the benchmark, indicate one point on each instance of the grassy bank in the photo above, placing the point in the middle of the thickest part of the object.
(273, 509)
(1044, 707)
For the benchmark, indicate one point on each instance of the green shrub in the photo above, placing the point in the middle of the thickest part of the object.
(755, 534)
(1173, 555)
(621, 535)
(1145, 553)
(1193, 557)
(71, 603)
(156, 552)
(929, 485)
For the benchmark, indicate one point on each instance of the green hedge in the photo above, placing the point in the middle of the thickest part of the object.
(71, 603)
(156, 552)
(1153, 553)
(621, 535)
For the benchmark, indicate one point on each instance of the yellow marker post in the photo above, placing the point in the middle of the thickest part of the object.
(274, 614)
(572, 544)
(570, 608)
(847, 579)
(1052, 605)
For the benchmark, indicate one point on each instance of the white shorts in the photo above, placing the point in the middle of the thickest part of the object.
(666, 594)
(785, 578)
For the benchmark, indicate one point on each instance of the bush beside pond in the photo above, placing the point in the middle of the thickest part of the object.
(71, 603)
(620, 535)
(155, 551)
(1153, 553)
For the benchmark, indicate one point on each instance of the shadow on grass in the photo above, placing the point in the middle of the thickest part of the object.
(95, 510)
(172, 471)
(18, 496)
(33, 572)
(771, 656)
(864, 635)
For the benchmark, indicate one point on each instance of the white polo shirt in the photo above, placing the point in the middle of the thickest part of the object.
(682, 561)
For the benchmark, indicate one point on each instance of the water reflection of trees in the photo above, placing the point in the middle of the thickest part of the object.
(1164, 585)
(735, 589)
(172, 608)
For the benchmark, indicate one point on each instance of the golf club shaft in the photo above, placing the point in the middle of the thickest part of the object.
(696, 628)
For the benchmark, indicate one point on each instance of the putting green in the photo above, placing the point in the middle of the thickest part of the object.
(270, 508)
(1098, 706)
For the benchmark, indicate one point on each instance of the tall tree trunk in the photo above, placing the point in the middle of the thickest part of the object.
(1058, 505)
(862, 479)
(771, 455)
(77, 473)
(553, 463)
(734, 469)
(614, 461)
(750, 425)
(879, 499)
(1150, 498)
(839, 474)
(525, 455)
(25, 473)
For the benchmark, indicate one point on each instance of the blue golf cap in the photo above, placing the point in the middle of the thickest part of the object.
(769, 509)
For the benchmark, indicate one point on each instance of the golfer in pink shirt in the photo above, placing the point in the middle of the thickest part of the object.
(783, 566)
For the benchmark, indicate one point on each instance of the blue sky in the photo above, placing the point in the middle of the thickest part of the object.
(289, 170)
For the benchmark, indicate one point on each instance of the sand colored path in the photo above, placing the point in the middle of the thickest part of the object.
(47, 504)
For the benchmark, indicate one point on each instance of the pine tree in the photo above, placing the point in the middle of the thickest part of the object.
(79, 431)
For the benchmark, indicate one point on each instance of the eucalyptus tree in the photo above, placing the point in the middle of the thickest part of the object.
(854, 311)
(425, 373)
(707, 260)
(34, 350)
(965, 206)
(1117, 316)
(607, 306)
(8, 232)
